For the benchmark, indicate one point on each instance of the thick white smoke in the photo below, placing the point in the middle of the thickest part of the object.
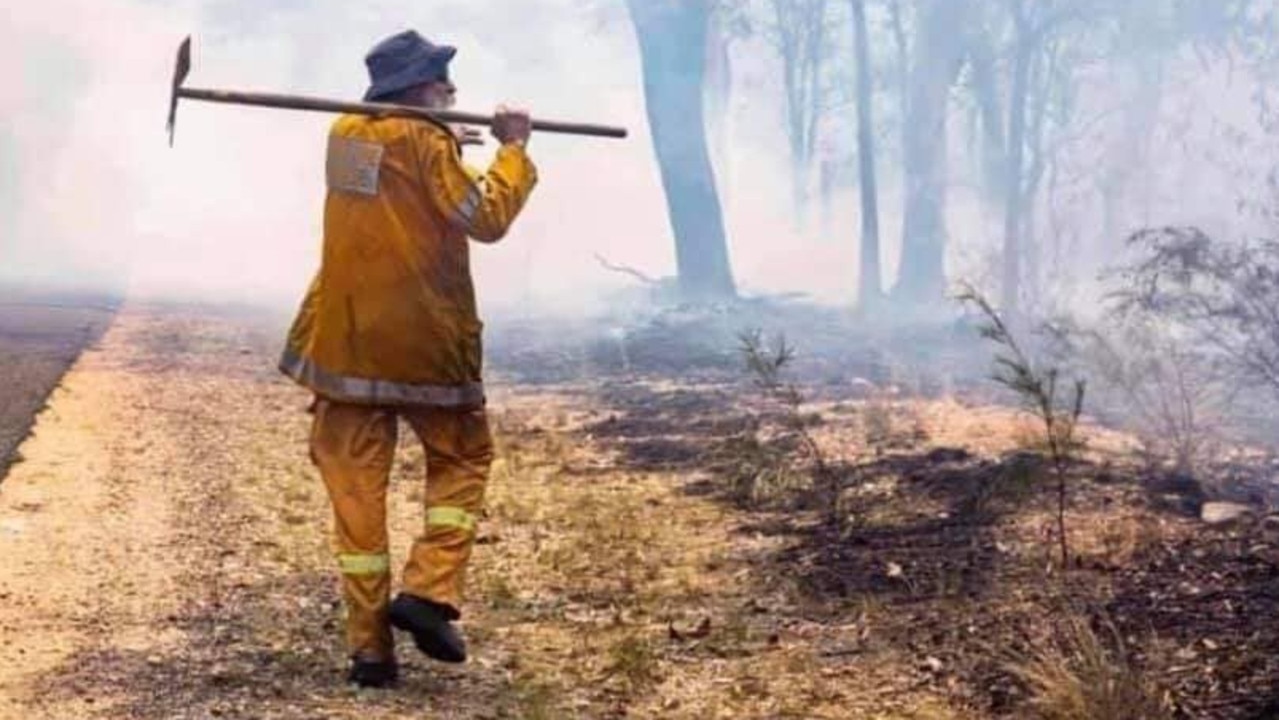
(90, 194)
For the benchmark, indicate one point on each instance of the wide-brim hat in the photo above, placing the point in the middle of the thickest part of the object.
(404, 60)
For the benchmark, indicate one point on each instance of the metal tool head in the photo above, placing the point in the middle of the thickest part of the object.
(181, 69)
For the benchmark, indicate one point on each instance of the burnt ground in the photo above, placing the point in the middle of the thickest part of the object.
(942, 545)
(41, 335)
(658, 542)
(952, 560)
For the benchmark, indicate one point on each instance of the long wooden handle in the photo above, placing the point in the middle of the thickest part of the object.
(295, 102)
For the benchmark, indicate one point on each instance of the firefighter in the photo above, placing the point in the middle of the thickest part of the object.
(388, 330)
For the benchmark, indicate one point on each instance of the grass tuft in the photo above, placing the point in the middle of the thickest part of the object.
(1081, 677)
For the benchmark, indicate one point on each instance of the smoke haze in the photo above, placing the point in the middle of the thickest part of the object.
(91, 196)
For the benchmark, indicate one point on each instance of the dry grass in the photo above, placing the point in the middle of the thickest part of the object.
(877, 422)
(1117, 539)
(535, 698)
(633, 659)
(1083, 677)
(759, 473)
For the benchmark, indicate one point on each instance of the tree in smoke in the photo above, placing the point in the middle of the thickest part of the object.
(672, 37)
(1171, 44)
(937, 57)
(1028, 65)
(1033, 26)
(1053, 49)
(1144, 42)
(869, 289)
(729, 22)
(803, 41)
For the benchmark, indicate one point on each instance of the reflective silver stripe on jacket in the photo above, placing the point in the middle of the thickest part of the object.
(464, 215)
(377, 392)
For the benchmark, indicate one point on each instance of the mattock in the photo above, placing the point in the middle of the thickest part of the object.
(296, 102)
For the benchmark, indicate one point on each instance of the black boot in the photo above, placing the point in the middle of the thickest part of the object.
(373, 673)
(431, 626)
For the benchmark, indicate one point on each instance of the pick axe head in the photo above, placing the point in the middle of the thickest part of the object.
(181, 69)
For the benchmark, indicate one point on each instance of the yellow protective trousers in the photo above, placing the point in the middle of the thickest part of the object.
(354, 447)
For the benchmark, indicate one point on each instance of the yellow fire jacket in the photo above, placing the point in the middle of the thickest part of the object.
(390, 318)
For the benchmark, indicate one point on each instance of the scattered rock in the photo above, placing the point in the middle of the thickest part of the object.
(1225, 513)
(702, 630)
(861, 388)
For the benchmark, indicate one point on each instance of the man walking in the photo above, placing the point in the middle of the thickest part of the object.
(389, 330)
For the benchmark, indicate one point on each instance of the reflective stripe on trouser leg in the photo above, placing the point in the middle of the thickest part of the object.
(459, 451)
(354, 446)
(455, 517)
(362, 564)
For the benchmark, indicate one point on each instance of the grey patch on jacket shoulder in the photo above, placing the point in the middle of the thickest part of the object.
(353, 166)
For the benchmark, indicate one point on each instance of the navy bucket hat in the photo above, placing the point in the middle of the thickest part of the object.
(404, 60)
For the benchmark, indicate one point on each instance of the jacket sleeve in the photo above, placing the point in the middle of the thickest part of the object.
(482, 205)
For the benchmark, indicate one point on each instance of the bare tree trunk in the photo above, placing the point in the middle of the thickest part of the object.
(938, 53)
(901, 43)
(985, 85)
(1043, 74)
(801, 43)
(814, 61)
(870, 290)
(1015, 175)
(718, 96)
(672, 42)
(826, 179)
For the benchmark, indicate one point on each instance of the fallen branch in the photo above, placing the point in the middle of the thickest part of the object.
(627, 270)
